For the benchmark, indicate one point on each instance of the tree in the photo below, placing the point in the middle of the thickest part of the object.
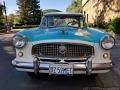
(1, 13)
(106, 7)
(17, 19)
(11, 17)
(29, 11)
(75, 6)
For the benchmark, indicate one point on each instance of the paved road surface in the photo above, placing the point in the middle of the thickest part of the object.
(10, 79)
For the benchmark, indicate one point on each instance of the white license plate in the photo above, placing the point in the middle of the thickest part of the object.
(61, 69)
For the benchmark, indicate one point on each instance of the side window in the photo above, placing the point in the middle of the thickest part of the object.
(44, 22)
(50, 21)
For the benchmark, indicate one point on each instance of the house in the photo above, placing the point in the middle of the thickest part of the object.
(98, 11)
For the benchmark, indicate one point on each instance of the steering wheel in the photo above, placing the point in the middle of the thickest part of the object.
(72, 23)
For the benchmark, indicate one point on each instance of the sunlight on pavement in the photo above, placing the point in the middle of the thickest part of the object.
(9, 49)
(6, 37)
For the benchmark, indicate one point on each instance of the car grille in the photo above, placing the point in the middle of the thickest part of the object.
(62, 50)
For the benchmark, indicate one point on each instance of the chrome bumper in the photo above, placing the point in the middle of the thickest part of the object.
(79, 68)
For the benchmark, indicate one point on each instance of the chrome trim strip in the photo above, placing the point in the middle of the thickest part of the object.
(77, 66)
(64, 41)
(62, 58)
(75, 72)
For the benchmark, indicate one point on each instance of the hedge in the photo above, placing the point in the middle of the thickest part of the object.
(25, 26)
(113, 26)
(2, 28)
(116, 25)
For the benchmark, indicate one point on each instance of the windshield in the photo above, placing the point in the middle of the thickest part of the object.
(54, 21)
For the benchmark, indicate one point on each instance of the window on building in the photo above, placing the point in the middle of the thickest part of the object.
(87, 18)
(84, 13)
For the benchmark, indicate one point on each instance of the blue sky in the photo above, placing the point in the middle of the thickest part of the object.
(45, 4)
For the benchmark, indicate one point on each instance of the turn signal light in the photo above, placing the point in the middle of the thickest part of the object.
(20, 54)
(105, 55)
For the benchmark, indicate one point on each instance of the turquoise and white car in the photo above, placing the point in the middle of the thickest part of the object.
(63, 45)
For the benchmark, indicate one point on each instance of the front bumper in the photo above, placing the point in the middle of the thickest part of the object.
(79, 68)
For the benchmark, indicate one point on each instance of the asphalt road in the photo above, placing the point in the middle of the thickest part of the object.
(10, 79)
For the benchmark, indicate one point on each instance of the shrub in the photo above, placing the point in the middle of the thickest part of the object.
(110, 27)
(113, 26)
(116, 25)
(103, 25)
(2, 28)
(25, 26)
(90, 25)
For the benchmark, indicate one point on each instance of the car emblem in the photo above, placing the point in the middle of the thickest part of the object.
(62, 49)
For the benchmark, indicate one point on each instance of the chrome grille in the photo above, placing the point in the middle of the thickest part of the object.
(52, 50)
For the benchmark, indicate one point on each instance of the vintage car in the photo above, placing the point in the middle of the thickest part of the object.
(63, 45)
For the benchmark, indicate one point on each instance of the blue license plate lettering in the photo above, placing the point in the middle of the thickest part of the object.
(61, 69)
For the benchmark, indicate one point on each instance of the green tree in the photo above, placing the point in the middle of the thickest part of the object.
(75, 6)
(17, 19)
(1, 13)
(11, 17)
(29, 11)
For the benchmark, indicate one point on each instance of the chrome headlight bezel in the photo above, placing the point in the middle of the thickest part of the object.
(107, 42)
(19, 41)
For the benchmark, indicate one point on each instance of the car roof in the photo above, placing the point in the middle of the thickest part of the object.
(62, 13)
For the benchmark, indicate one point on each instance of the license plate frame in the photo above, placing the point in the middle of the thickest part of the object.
(61, 69)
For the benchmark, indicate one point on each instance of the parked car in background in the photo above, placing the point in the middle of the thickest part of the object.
(63, 45)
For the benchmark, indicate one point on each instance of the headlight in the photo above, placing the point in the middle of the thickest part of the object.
(19, 41)
(107, 42)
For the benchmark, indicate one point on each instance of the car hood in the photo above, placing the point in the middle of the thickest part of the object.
(84, 34)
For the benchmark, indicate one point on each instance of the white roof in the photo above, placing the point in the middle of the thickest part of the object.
(63, 13)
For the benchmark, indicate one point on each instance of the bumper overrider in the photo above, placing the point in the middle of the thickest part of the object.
(86, 67)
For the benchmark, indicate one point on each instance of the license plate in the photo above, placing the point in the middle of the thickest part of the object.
(61, 69)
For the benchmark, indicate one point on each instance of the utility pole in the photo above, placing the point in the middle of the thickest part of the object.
(5, 11)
